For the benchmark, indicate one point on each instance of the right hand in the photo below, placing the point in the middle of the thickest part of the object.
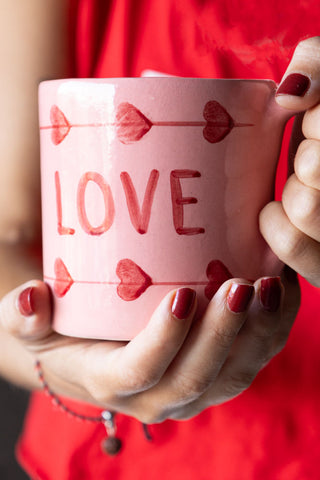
(176, 367)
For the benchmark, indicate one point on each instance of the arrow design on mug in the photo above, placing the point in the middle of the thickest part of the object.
(132, 125)
(63, 280)
(134, 281)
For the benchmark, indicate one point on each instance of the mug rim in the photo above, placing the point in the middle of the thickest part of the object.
(160, 79)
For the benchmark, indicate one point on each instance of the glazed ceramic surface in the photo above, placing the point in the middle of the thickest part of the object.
(148, 185)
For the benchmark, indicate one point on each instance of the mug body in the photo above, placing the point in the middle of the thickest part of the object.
(150, 184)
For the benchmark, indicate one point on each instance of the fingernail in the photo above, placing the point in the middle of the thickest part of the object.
(239, 297)
(294, 84)
(183, 302)
(270, 293)
(25, 302)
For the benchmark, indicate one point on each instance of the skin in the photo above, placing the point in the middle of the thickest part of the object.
(174, 368)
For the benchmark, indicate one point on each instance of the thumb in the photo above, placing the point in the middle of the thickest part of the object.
(25, 312)
(299, 88)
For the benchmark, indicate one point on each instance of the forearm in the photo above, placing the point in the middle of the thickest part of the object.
(33, 47)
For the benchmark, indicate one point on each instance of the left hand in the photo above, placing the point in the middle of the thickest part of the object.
(176, 367)
(292, 227)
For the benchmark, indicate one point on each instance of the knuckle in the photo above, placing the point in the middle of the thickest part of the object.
(305, 208)
(98, 387)
(99, 392)
(237, 383)
(307, 162)
(309, 46)
(313, 276)
(311, 131)
(151, 416)
(224, 335)
(180, 416)
(186, 413)
(189, 388)
(277, 349)
(134, 381)
(263, 331)
(279, 344)
(291, 244)
(125, 383)
(266, 355)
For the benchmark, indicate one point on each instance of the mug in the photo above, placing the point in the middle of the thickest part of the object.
(150, 184)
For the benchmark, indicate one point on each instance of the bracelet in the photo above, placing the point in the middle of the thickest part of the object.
(110, 445)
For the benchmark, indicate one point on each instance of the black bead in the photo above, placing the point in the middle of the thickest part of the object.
(111, 445)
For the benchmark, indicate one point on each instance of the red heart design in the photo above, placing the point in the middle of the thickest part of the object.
(217, 274)
(132, 125)
(60, 125)
(134, 281)
(219, 122)
(63, 280)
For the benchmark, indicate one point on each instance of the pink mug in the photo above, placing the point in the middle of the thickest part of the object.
(150, 184)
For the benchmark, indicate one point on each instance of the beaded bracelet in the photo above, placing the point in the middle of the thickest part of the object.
(110, 445)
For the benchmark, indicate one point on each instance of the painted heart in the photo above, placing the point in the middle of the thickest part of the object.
(60, 125)
(219, 123)
(217, 274)
(132, 125)
(63, 280)
(133, 280)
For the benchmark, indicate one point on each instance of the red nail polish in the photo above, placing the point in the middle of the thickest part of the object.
(295, 84)
(25, 302)
(183, 302)
(239, 297)
(270, 293)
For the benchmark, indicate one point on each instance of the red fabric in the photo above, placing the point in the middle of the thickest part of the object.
(272, 430)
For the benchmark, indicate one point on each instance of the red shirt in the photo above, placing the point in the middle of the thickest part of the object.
(271, 431)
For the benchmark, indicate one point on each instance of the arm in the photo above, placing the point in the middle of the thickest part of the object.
(177, 366)
(33, 47)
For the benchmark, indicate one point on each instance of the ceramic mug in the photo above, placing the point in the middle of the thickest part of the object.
(150, 184)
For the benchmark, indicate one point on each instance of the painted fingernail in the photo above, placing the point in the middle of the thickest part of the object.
(270, 293)
(183, 302)
(294, 84)
(25, 302)
(239, 297)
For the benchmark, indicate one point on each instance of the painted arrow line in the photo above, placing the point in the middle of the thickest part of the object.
(131, 124)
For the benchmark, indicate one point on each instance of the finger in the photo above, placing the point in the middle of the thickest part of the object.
(278, 329)
(301, 204)
(265, 333)
(140, 364)
(307, 163)
(310, 124)
(290, 244)
(251, 350)
(290, 307)
(25, 312)
(201, 356)
(299, 88)
(241, 368)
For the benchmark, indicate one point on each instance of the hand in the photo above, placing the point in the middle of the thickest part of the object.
(178, 365)
(292, 227)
